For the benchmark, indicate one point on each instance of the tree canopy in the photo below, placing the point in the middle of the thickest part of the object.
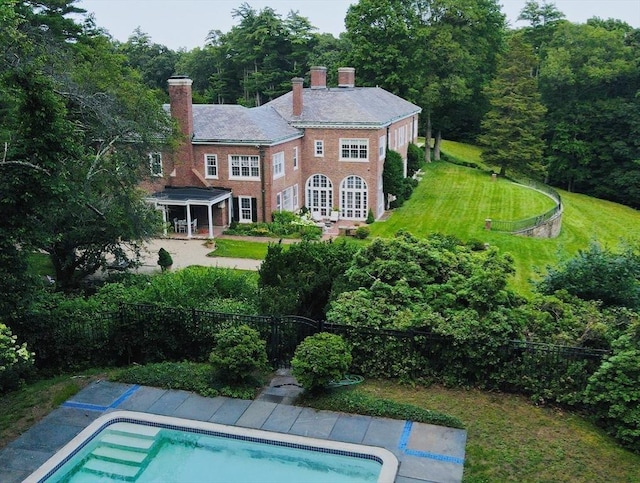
(76, 144)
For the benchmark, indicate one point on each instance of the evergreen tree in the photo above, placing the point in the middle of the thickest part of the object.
(514, 125)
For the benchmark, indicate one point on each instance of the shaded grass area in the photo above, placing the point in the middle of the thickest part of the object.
(40, 264)
(350, 400)
(466, 152)
(509, 439)
(455, 200)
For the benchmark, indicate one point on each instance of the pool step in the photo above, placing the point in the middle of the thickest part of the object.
(128, 441)
(111, 468)
(112, 453)
(123, 452)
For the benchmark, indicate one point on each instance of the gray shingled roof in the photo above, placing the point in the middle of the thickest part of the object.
(347, 106)
(238, 124)
(274, 121)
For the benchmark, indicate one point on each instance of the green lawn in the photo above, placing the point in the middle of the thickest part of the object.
(226, 247)
(509, 439)
(455, 200)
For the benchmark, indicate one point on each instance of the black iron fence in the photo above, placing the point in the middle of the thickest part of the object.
(151, 333)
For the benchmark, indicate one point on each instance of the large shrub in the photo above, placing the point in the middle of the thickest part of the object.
(613, 393)
(300, 280)
(15, 360)
(415, 158)
(598, 274)
(320, 359)
(238, 354)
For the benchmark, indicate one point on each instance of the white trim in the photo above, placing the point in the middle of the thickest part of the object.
(296, 159)
(352, 144)
(318, 143)
(277, 164)
(153, 164)
(206, 166)
(242, 219)
(388, 470)
(251, 158)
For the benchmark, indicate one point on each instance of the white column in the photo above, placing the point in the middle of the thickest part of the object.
(164, 220)
(210, 216)
(188, 220)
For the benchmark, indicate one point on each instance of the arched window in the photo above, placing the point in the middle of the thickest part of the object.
(319, 194)
(353, 198)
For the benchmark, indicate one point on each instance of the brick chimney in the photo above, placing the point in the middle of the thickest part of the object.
(296, 84)
(181, 103)
(318, 77)
(346, 77)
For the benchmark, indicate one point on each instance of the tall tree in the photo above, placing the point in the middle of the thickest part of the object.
(435, 53)
(77, 144)
(514, 125)
(155, 62)
(589, 80)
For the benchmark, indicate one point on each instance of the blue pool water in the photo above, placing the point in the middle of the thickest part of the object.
(132, 452)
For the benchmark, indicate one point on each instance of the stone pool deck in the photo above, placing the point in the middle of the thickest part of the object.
(426, 453)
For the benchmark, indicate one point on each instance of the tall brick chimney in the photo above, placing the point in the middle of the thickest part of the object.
(181, 103)
(296, 84)
(346, 77)
(318, 77)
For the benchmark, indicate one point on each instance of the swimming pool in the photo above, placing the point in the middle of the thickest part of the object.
(140, 447)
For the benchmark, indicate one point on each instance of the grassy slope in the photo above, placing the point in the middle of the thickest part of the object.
(509, 439)
(455, 200)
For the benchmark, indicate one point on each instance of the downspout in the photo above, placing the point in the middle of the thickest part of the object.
(262, 183)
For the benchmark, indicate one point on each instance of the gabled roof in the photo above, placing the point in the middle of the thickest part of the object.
(364, 107)
(234, 124)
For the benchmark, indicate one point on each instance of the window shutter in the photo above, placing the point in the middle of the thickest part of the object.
(254, 209)
(236, 209)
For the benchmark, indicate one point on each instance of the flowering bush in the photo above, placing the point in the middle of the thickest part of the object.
(15, 360)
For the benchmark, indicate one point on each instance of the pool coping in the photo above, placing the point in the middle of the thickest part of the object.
(388, 460)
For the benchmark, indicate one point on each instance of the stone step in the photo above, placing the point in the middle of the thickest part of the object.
(137, 429)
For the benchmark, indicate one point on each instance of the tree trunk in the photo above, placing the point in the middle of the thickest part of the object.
(436, 148)
(427, 139)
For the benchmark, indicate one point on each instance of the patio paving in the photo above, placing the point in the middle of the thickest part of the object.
(427, 453)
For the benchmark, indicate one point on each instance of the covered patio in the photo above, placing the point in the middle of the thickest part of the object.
(185, 209)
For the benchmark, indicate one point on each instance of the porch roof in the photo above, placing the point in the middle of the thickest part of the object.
(189, 196)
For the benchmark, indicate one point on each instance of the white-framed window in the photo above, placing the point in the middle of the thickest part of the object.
(319, 194)
(245, 209)
(354, 149)
(279, 202)
(155, 164)
(382, 147)
(211, 166)
(295, 158)
(244, 167)
(294, 196)
(353, 198)
(318, 148)
(401, 132)
(278, 165)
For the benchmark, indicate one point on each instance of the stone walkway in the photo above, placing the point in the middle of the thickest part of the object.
(426, 453)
